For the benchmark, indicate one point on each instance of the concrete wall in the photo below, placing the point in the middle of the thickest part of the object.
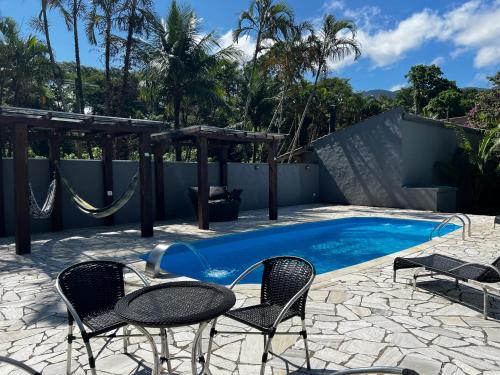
(297, 184)
(387, 161)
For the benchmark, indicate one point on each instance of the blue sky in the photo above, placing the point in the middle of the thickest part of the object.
(463, 37)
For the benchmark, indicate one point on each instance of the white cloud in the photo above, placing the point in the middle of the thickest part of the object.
(333, 5)
(397, 87)
(438, 61)
(472, 26)
(246, 44)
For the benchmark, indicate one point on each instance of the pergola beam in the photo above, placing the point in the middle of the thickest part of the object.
(21, 193)
(146, 187)
(203, 188)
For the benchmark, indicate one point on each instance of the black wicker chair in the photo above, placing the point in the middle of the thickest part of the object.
(19, 365)
(90, 291)
(222, 204)
(285, 283)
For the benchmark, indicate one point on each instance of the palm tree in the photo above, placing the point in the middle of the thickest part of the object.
(288, 56)
(266, 20)
(180, 57)
(24, 66)
(132, 22)
(71, 11)
(103, 21)
(41, 24)
(335, 41)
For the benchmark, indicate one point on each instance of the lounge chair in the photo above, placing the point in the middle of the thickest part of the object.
(90, 291)
(223, 205)
(476, 274)
(285, 283)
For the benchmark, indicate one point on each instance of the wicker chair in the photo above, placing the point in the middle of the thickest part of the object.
(285, 283)
(19, 365)
(90, 291)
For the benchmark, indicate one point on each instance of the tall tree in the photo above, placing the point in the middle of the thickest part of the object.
(41, 24)
(101, 17)
(426, 82)
(335, 41)
(24, 66)
(179, 57)
(131, 21)
(266, 20)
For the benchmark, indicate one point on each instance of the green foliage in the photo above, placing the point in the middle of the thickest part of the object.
(446, 104)
(486, 112)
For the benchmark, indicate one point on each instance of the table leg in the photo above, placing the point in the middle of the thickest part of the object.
(165, 355)
(197, 349)
(156, 362)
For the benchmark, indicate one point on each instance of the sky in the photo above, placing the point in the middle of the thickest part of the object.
(462, 37)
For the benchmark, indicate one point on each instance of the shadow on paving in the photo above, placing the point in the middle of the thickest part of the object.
(464, 295)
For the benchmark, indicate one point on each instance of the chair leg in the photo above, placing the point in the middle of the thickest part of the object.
(70, 346)
(304, 336)
(485, 302)
(89, 353)
(126, 339)
(213, 332)
(266, 353)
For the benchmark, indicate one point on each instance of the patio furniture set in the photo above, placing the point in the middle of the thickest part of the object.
(95, 298)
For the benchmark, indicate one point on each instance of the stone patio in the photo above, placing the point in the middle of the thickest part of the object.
(357, 316)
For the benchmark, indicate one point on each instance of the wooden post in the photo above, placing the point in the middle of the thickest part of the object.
(146, 186)
(273, 181)
(2, 206)
(159, 151)
(54, 163)
(223, 176)
(21, 193)
(203, 187)
(107, 170)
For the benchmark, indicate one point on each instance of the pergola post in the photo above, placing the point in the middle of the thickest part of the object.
(273, 180)
(223, 176)
(21, 193)
(145, 182)
(54, 163)
(159, 151)
(107, 170)
(2, 205)
(203, 187)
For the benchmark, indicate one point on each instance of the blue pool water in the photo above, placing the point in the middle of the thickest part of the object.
(329, 245)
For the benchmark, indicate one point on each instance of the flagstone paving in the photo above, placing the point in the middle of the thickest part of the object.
(356, 316)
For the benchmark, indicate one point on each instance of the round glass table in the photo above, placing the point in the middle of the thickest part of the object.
(175, 304)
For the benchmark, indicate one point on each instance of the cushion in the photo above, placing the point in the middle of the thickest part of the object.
(217, 192)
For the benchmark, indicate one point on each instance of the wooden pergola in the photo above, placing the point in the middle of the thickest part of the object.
(20, 125)
(202, 137)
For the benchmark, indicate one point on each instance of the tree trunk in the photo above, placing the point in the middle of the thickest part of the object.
(177, 118)
(107, 58)
(126, 59)
(80, 105)
(299, 127)
(254, 63)
(55, 69)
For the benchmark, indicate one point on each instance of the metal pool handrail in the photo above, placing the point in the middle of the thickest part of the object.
(154, 259)
(447, 220)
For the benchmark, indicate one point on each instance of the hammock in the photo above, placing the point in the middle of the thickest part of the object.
(110, 209)
(42, 213)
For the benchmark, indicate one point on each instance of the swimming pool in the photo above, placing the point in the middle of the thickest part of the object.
(329, 245)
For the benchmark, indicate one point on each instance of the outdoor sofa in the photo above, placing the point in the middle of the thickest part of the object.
(223, 205)
(476, 274)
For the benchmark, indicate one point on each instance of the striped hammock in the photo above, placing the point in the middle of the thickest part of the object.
(110, 209)
(46, 210)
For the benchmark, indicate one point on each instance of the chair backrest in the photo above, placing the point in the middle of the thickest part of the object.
(283, 278)
(93, 286)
